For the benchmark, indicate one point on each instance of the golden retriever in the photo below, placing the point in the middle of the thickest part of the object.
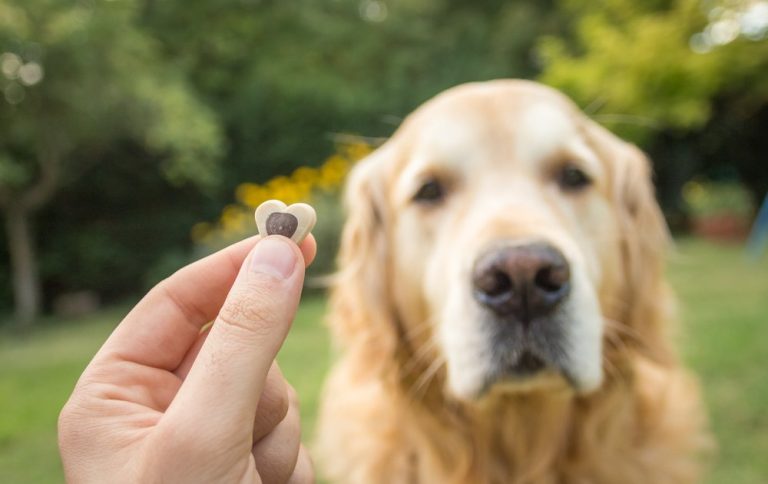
(501, 307)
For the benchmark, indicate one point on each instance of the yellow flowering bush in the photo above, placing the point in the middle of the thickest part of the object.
(303, 185)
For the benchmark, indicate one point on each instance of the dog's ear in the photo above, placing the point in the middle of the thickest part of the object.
(646, 299)
(361, 315)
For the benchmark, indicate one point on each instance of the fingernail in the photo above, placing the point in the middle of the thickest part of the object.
(273, 256)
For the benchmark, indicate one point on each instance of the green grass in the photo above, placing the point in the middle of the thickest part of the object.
(305, 359)
(37, 373)
(724, 301)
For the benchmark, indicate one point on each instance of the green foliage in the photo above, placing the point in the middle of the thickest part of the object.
(159, 109)
(266, 85)
(636, 58)
(12, 172)
(330, 220)
(115, 230)
(94, 78)
(708, 198)
(287, 75)
(685, 79)
(79, 81)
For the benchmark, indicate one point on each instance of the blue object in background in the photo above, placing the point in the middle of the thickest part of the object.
(758, 237)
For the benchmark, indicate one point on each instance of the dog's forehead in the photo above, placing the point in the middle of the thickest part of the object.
(469, 130)
(541, 129)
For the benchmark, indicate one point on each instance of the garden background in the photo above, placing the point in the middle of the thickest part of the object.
(138, 135)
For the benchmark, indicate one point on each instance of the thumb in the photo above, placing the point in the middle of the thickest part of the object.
(226, 380)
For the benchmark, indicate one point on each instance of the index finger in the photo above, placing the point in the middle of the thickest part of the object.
(163, 326)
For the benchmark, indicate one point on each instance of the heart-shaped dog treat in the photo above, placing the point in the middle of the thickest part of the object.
(273, 217)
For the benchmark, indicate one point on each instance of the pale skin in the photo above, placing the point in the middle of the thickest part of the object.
(166, 401)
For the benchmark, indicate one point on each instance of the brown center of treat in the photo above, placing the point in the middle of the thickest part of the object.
(281, 223)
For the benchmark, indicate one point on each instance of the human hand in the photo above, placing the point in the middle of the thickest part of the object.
(161, 402)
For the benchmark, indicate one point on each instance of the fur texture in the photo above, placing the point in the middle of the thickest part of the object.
(388, 413)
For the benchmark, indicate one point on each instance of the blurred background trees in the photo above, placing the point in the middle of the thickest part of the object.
(124, 123)
(687, 79)
(83, 85)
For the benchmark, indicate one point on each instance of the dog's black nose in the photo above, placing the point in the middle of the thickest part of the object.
(525, 281)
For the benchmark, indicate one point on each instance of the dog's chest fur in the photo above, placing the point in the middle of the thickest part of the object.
(630, 435)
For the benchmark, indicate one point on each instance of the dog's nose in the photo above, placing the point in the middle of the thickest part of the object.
(525, 281)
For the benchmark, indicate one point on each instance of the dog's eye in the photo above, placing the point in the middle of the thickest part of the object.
(571, 178)
(430, 192)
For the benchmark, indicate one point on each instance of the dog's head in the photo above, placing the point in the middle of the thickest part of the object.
(504, 234)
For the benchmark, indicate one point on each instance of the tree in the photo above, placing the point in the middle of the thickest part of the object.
(78, 78)
(685, 78)
(285, 75)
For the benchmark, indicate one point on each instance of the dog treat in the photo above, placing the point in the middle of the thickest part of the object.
(273, 217)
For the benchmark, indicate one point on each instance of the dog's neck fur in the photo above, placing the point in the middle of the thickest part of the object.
(496, 441)
(541, 436)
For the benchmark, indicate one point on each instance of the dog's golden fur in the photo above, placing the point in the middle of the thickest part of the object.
(385, 415)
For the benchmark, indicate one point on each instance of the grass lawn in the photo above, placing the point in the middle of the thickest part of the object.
(725, 306)
(724, 302)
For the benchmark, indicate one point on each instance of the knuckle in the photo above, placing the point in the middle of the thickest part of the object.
(273, 406)
(249, 312)
(304, 472)
(292, 420)
(292, 396)
(168, 290)
(282, 407)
